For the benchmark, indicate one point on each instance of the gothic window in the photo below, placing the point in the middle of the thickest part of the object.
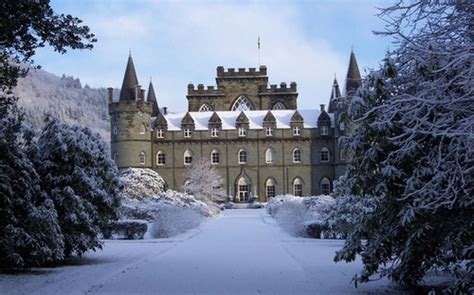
(296, 131)
(160, 158)
(160, 133)
(214, 132)
(242, 104)
(188, 157)
(297, 155)
(298, 187)
(270, 188)
(324, 155)
(324, 130)
(325, 186)
(142, 129)
(242, 157)
(279, 106)
(215, 157)
(242, 131)
(142, 158)
(187, 133)
(269, 156)
(205, 108)
(269, 131)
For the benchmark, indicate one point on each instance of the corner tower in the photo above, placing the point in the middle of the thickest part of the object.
(353, 78)
(130, 116)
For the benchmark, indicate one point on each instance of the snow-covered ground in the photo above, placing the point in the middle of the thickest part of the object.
(240, 252)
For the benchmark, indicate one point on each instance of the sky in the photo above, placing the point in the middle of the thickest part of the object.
(174, 43)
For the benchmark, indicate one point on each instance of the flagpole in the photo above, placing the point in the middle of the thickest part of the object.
(258, 51)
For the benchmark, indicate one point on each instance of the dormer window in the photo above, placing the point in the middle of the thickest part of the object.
(324, 130)
(214, 132)
(160, 133)
(242, 131)
(187, 132)
(296, 131)
(269, 131)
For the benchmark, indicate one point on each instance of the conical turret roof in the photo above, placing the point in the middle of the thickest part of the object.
(151, 97)
(130, 81)
(335, 93)
(353, 78)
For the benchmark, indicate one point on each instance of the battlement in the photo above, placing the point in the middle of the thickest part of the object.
(275, 89)
(201, 90)
(241, 72)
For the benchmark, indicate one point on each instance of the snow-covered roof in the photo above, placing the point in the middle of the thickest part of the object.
(228, 119)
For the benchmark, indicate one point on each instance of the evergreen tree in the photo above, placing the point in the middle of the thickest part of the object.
(407, 203)
(82, 181)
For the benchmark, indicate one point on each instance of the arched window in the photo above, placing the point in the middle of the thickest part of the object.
(205, 108)
(188, 157)
(279, 106)
(243, 189)
(324, 155)
(115, 130)
(160, 158)
(242, 104)
(142, 158)
(298, 187)
(269, 156)
(215, 157)
(270, 188)
(296, 155)
(142, 129)
(325, 186)
(242, 157)
(342, 155)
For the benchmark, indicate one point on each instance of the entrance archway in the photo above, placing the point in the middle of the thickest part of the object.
(243, 190)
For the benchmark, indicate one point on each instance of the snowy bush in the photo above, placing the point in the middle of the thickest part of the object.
(126, 229)
(301, 216)
(204, 182)
(255, 205)
(140, 183)
(171, 220)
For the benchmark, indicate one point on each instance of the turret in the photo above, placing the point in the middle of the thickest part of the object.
(353, 78)
(335, 93)
(151, 97)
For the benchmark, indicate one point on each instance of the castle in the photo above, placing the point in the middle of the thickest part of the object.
(252, 132)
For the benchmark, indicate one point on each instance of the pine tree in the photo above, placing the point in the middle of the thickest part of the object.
(82, 181)
(204, 182)
(408, 190)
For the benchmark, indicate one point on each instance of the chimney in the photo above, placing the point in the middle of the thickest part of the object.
(110, 91)
(137, 92)
(142, 94)
(165, 110)
(322, 107)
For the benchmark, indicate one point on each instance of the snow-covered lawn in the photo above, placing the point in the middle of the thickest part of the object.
(240, 252)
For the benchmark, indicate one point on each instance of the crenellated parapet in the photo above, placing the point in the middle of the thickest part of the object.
(205, 91)
(283, 89)
(241, 72)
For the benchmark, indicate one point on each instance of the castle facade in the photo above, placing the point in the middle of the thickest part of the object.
(252, 132)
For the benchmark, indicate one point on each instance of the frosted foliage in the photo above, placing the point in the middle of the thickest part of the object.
(140, 183)
(43, 93)
(412, 150)
(172, 220)
(295, 213)
(204, 182)
(242, 104)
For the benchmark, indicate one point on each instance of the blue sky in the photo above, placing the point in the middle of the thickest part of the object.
(177, 42)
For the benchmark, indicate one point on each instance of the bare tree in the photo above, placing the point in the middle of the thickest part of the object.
(204, 182)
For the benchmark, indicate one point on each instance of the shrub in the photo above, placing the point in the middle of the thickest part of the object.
(126, 229)
(171, 220)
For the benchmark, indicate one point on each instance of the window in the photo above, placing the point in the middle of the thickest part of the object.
(296, 155)
(298, 187)
(279, 106)
(269, 131)
(214, 132)
(115, 157)
(324, 155)
(205, 108)
(325, 186)
(160, 158)
(242, 157)
(242, 131)
(115, 130)
(160, 133)
(215, 157)
(296, 131)
(324, 130)
(187, 132)
(269, 156)
(270, 188)
(142, 158)
(342, 126)
(188, 157)
(142, 129)
(243, 187)
(342, 155)
(242, 104)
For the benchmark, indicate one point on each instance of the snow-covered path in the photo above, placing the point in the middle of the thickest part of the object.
(241, 252)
